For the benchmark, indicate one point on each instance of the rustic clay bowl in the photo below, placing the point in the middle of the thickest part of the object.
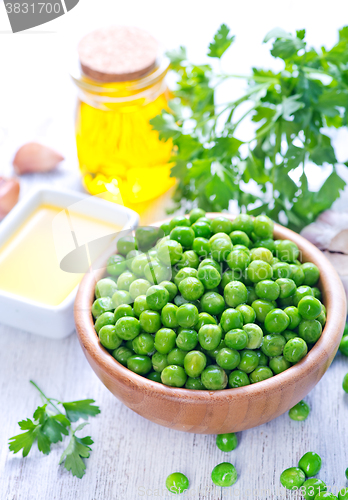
(230, 410)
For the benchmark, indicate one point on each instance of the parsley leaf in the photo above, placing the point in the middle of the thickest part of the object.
(222, 41)
(77, 449)
(81, 409)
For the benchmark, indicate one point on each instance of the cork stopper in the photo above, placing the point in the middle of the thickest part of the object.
(117, 53)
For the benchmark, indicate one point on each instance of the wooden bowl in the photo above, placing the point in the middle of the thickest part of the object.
(229, 410)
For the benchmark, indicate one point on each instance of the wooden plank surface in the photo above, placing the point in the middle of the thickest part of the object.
(132, 457)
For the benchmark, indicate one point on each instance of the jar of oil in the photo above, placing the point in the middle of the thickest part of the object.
(121, 87)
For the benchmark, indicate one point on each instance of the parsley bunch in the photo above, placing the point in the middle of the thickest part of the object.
(292, 110)
(49, 426)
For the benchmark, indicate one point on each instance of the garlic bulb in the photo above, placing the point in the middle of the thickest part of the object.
(9, 194)
(34, 157)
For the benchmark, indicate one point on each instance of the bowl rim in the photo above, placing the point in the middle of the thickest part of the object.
(334, 299)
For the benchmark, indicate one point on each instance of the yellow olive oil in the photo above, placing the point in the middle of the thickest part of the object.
(29, 266)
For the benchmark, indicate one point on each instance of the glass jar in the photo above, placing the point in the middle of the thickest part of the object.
(118, 151)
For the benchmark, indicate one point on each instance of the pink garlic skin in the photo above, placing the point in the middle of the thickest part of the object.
(34, 157)
(9, 194)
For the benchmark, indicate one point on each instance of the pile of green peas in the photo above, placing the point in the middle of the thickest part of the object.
(301, 478)
(208, 304)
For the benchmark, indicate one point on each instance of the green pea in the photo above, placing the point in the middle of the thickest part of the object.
(263, 359)
(150, 321)
(139, 364)
(260, 373)
(221, 225)
(201, 246)
(294, 317)
(344, 345)
(191, 289)
(236, 339)
(122, 311)
(287, 251)
(310, 330)
(287, 334)
(127, 328)
(300, 411)
(278, 364)
(170, 252)
(209, 336)
(155, 272)
(345, 383)
(177, 483)
(212, 303)
(174, 376)
(187, 315)
(262, 308)
(281, 270)
(220, 248)
(205, 319)
(159, 362)
(259, 270)
(176, 357)
(301, 292)
(194, 363)
(194, 384)
(116, 265)
(108, 337)
(251, 295)
(188, 259)
(324, 495)
(292, 478)
(343, 494)
(121, 297)
(267, 289)
(227, 442)
(311, 273)
(130, 258)
(238, 260)
(187, 339)
(255, 335)
(260, 253)
(104, 319)
(312, 487)
(287, 287)
(297, 274)
(165, 340)
(267, 243)
(309, 307)
(186, 272)
(143, 344)
(184, 235)
(209, 276)
(210, 262)
(240, 238)
(171, 288)
(105, 287)
(310, 463)
(276, 321)
(248, 361)
(316, 292)
(140, 305)
(273, 345)
(227, 358)
(247, 312)
(179, 220)
(157, 297)
(238, 378)
(224, 474)
(235, 293)
(231, 319)
(168, 316)
(155, 377)
(201, 229)
(214, 378)
(243, 222)
(138, 287)
(295, 349)
(122, 354)
(102, 305)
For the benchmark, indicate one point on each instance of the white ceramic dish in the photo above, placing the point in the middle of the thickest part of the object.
(54, 321)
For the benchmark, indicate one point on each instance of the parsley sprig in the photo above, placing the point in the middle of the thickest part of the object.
(292, 110)
(49, 426)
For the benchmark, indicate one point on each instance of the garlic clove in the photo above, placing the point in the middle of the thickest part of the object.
(339, 243)
(34, 157)
(9, 194)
